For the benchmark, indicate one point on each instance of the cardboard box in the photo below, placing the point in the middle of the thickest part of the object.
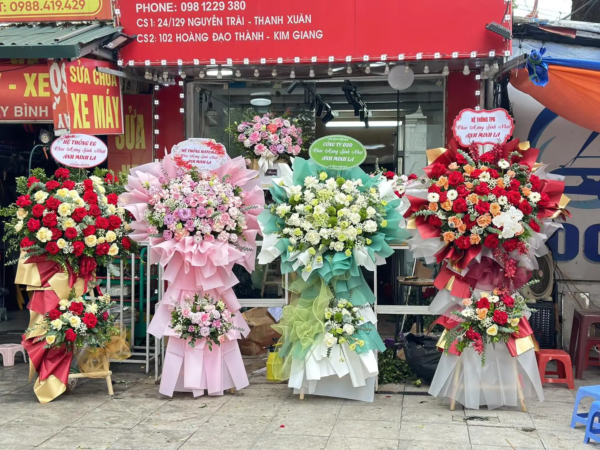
(261, 334)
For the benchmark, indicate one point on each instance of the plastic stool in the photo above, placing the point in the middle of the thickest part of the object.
(8, 352)
(591, 360)
(583, 392)
(583, 319)
(592, 432)
(563, 363)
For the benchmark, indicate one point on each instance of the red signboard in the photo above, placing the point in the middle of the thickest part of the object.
(265, 31)
(26, 94)
(134, 147)
(54, 10)
(84, 100)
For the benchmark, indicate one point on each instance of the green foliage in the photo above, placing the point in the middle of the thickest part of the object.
(394, 370)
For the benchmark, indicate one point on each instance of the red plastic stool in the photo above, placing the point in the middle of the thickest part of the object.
(563, 364)
(591, 360)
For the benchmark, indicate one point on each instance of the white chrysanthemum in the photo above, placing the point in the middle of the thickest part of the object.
(433, 197)
(354, 218)
(484, 176)
(331, 184)
(282, 209)
(503, 164)
(310, 182)
(338, 246)
(44, 235)
(535, 197)
(452, 194)
(348, 186)
(502, 200)
(313, 237)
(370, 226)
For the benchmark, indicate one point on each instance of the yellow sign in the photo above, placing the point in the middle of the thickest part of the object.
(54, 10)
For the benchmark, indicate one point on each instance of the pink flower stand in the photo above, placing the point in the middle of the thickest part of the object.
(8, 352)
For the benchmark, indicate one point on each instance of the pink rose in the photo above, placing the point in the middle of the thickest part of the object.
(260, 149)
(217, 324)
(209, 238)
(185, 312)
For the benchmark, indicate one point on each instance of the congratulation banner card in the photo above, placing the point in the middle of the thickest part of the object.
(54, 10)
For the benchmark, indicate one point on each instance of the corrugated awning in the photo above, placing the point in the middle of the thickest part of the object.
(50, 41)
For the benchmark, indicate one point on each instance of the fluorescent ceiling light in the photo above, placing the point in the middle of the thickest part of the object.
(224, 72)
(356, 124)
(260, 102)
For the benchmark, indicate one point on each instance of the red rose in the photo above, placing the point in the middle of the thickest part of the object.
(460, 159)
(443, 197)
(508, 301)
(76, 308)
(113, 199)
(62, 173)
(88, 184)
(463, 242)
(437, 170)
(482, 207)
(91, 198)
(500, 317)
(109, 177)
(31, 181)
(514, 197)
(534, 226)
(54, 314)
(476, 173)
(462, 190)
(52, 248)
(68, 184)
(79, 214)
(102, 249)
(483, 303)
(50, 220)
(545, 200)
(493, 173)
(389, 175)
(487, 157)
(89, 230)
(498, 191)
(472, 335)
(510, 245)
(102, 223)
(535, 182)
(491, 241)
(87, 265)
(459, 205)
(127, 243)
(38, 210)
(114, 222)
(26, 243)
(23, 201)
(455, 178)
(90, 320)
(434, 221)
(514, 185)
(51, 185)
(434, 188)
(70, 233)
(33, 225)
(95, 211)
(52, 203)
(525, 207)
(78, 248)
(105, 316)
(412, 176)
(482, 189)
(70, 335)
(468, 222)
(56, 234)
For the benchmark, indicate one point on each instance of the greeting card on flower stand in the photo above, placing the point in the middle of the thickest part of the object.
(484, 216)
(328, 223)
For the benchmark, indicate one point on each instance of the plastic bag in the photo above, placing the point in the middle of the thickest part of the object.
(422, 355)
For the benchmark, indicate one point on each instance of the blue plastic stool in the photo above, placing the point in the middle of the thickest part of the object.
(592, 432)
(582, 392)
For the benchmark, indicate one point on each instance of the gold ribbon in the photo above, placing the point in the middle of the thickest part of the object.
(49, 389)
(562, 205)
(525, 344)
(524, 146)
(95, 362)
(411, 223)
(434, 154)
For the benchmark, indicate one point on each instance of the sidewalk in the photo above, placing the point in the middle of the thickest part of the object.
(267, 416)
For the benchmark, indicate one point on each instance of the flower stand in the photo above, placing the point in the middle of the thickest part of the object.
(106, 375)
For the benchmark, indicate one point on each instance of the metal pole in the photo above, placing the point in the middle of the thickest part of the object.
(31, 156)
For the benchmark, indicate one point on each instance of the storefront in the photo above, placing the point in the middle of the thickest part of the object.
(378, 72)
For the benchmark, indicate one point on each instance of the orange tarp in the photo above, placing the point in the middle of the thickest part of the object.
(571, 93)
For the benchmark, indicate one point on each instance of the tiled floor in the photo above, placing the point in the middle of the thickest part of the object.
(267, 416)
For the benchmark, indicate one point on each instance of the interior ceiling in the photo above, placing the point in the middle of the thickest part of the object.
(381, 99)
